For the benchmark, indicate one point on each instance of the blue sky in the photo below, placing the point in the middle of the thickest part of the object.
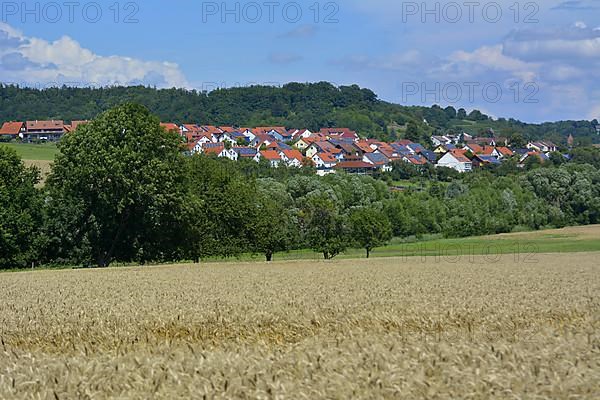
(535, 61)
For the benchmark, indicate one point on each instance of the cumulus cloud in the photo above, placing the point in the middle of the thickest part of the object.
(34, 61)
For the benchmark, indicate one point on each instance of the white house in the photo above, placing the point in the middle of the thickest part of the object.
(230, 154)
(292, 158)
(324, 161)
(457, 160)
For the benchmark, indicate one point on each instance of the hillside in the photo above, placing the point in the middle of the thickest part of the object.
(301, 105)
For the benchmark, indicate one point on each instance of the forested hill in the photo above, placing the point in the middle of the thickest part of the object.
(297, 105)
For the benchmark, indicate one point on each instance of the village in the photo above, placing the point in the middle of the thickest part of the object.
(328, 150)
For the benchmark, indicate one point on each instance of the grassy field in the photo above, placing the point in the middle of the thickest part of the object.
(34, 152)
(407, 328)
(39, 155)
(522, 245)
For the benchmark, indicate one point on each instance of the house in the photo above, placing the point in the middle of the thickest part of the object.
(245, 153)
(44, 130)
(481, 160)
(270, 155)
(321, 146)
(356, 167)
(363, 146)
(303, 143)
(378, 160)
(324, 161)
(299, 133)
(439, 140)
(544, 147)
(12, 130)
(541, 156)
(473, 148)
(457, 160)
(213, 149)
(293, 158)
(415, 160)
(504, 152)
(248, 133)
(388, 151)
(338, 133)
(229, 153)
(444, 148)
(429, 155)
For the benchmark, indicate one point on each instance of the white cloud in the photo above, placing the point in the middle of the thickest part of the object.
(35, 61)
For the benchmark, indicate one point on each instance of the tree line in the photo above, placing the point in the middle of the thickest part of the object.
(122, 190)
(293, 105)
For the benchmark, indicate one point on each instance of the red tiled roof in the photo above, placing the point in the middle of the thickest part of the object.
(364, 146)
(11, 128)
(293, 154)
(487, 150)
(45, 125)
(217, 149)
(270, 155)
(459, 155)
(170, 126)
(505, 151)
(475, 148)
(327, 157)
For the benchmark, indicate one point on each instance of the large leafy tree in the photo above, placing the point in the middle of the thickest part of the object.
(20, 214)
(274, 226)
(221, 219)
(370, 228)
(325, 227)
(117, 191)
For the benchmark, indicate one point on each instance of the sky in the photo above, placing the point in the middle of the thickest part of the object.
(534, 61)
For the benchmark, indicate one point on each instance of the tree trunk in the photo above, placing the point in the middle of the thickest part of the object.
(368, 252)
(326, 255)
(269, 256)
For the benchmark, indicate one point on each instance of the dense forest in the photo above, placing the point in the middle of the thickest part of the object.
(294, 105)
(121, 190)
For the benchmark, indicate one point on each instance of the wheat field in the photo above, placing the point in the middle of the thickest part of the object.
(406, 328)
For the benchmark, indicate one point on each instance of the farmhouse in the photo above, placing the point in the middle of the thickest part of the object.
(12, 130)
(50, 131)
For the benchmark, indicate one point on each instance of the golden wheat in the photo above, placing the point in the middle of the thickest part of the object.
(386, 328)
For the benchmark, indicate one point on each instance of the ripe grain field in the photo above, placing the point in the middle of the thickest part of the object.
(409, 328)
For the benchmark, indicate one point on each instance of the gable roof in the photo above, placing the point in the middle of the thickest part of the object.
(11, 128)
(293, 154)
(459, 155)
(213, 148)
(270, 155)
(505, 151)
(326, 157)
